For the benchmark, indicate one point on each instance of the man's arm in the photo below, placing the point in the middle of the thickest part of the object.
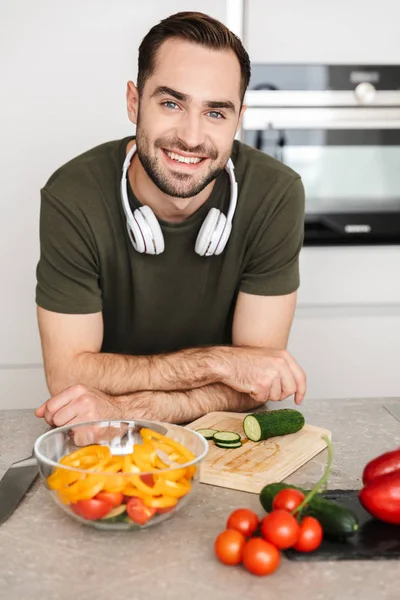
(270, 328)
(79, 403)
(71, 349)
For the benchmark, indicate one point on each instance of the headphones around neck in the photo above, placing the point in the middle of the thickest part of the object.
(145, 232)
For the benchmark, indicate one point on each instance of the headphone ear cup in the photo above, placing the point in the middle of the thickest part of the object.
(224, 237)
(217, 235)
(156, 244)
(207, 229)
(142, 233)
(135, 234)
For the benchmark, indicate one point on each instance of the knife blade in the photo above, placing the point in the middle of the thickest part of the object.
(15, 484)
(393, 408)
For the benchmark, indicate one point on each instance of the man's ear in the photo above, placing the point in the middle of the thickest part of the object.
(242, 111)
(132, 101)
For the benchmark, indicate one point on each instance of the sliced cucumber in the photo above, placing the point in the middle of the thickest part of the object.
(207, 433)
(226, 437)
(228, 446)
(115, 512)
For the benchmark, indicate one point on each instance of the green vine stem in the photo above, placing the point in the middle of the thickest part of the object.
(322, 482)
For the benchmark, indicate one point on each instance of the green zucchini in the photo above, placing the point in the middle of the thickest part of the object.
(264, 425)
(207, 433)
(229, 446)
(226, 437)
(336, 520)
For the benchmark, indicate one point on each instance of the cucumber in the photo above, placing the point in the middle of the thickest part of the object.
(226, 437)
(115, 512)
(207, 433)
(264, 425)
(336, 520)
(229, 446)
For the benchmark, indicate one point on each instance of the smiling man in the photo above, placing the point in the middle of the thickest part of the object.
(166, 285)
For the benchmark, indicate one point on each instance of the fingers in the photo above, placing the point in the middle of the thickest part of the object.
(277, 377)
(299, 378)
(51, 407)
(275, 390)
(66, 414)
(39, 412)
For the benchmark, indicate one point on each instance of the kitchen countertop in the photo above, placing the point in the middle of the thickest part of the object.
(46, 555)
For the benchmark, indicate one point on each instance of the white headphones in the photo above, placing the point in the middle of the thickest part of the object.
(145, 232)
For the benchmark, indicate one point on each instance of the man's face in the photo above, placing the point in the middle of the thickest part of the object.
(187, 116)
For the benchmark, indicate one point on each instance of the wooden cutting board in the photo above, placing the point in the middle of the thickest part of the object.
(255, 464)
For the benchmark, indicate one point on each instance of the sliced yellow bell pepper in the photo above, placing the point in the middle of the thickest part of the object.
(173, 475)
(115, 483)
(159, 464)
(144, 488)
(61, 478)
(174, 488)
(97, 451)
(148, 434)
(84, 489)
(160, 502)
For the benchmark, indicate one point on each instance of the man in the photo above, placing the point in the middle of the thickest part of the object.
(144, 313)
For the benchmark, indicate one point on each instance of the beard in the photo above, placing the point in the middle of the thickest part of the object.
(177, 185)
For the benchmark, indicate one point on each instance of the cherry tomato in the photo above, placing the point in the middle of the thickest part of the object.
(138, 511)
(280, 528)
(288, 499)
(165, 509)
(243, 520)
(114, 499)
(310, 535)
(148, 479)
(229, 546)
(91, 509)
(260, 557)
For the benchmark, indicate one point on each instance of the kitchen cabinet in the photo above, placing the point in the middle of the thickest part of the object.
(346, 331)
(322, 32)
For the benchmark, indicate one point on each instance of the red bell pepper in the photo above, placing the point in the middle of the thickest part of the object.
(382, 465)
(381, 497)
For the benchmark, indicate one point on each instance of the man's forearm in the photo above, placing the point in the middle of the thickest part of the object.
(118, 374)
(184, 406)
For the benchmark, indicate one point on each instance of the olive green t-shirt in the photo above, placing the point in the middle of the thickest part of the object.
(177, 299)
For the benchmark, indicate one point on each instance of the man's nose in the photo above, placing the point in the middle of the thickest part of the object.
(190, 130)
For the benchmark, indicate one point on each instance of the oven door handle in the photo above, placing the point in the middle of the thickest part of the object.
(321, 118)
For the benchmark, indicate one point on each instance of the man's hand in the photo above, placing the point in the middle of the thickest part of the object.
(77, 404)
(263, 373)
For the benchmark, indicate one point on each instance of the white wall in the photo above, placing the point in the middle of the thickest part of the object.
(64, 65)
(63, 71)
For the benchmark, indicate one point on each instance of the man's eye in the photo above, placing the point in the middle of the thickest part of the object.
(170, 104)
(215, 114)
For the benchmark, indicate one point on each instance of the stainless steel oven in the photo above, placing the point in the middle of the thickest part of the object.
(338, 126)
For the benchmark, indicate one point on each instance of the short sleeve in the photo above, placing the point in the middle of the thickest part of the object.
(272, 267)
(67, 272)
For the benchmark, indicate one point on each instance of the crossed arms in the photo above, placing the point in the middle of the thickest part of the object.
(86, 384)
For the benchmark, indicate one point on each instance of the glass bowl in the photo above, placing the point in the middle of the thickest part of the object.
(120, 474)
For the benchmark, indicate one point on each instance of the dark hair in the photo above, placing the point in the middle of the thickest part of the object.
(197, 28)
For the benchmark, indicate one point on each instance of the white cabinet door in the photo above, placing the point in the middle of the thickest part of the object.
(340, 31)
(348, 352)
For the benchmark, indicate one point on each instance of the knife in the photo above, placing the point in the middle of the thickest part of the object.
(14, 485)
(393, 408)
